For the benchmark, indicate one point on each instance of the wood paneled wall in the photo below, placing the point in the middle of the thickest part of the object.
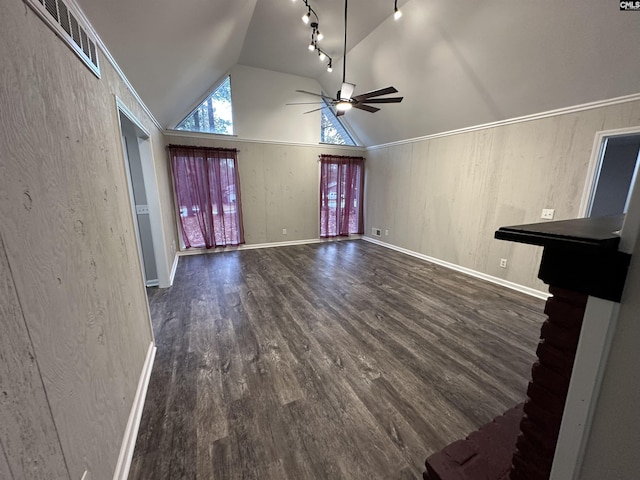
(78, 337)
(445, 197)
(27, 431)
(280, 186)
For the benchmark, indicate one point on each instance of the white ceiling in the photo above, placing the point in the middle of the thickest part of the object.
(173, 52)
(457, 63)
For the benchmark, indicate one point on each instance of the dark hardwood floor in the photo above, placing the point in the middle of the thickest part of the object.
(341, 360)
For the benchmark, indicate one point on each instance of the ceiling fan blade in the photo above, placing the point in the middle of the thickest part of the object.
(375, 93)
(366, 108)
(383, 100)
(311, 111)
(347, 90)
(315, 94)
(305, 103)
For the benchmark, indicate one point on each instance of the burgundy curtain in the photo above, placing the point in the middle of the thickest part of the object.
(341, 192)
(207, 187)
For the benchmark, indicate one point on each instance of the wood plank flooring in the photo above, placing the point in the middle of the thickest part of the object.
(341, 360)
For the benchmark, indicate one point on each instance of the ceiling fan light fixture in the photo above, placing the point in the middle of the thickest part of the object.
(343, 106)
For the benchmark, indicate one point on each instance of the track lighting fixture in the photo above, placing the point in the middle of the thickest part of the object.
(396, 13)
(316, 35)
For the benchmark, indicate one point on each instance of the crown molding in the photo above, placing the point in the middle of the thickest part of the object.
(526, 118)
(235, 138)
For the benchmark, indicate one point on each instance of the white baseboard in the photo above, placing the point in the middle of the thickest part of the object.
(172, 275)
(131, 432)
(200, 251)
(467, 271)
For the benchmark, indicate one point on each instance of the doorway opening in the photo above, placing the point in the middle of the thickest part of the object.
(613, 172)
(144, 198)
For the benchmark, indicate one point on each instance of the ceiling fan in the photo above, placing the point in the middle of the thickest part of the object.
(344, 98)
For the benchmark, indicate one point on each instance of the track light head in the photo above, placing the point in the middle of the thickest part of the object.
(396, 13)
(312, 46)
(307, 16)
(322, 56)
(319, 35)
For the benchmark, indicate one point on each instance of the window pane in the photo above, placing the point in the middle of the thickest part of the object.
(214, 115)
(332, 130)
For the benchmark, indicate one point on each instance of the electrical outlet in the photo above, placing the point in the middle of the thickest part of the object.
(284, 231)
(386, 232)
(547, 213)
(503, 263)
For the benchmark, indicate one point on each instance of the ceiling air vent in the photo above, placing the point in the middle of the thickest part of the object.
(65, 20)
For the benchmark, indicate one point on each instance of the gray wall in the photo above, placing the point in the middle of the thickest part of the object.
(466, 63)
(280, 186)
(75, 323)
(140, 198)
(444, 197)
(616, 173)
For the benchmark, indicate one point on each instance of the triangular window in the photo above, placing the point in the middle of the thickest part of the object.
(214, 115)
(331, 128)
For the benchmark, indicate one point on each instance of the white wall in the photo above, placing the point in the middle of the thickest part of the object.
(260, 111)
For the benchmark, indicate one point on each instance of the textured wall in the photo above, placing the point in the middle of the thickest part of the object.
(445, 197)
(67, 228)
(280, 187)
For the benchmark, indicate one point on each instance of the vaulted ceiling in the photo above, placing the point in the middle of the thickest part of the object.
(457, 63)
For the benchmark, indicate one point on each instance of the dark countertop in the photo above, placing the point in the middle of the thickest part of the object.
(596, 233)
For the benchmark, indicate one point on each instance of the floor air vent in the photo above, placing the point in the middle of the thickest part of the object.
(64, 20)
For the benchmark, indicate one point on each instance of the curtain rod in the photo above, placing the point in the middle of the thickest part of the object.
(324, 155)
(197, 147)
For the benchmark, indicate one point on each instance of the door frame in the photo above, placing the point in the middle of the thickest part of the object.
(151, 190)
(595, 163)
(598, 329)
